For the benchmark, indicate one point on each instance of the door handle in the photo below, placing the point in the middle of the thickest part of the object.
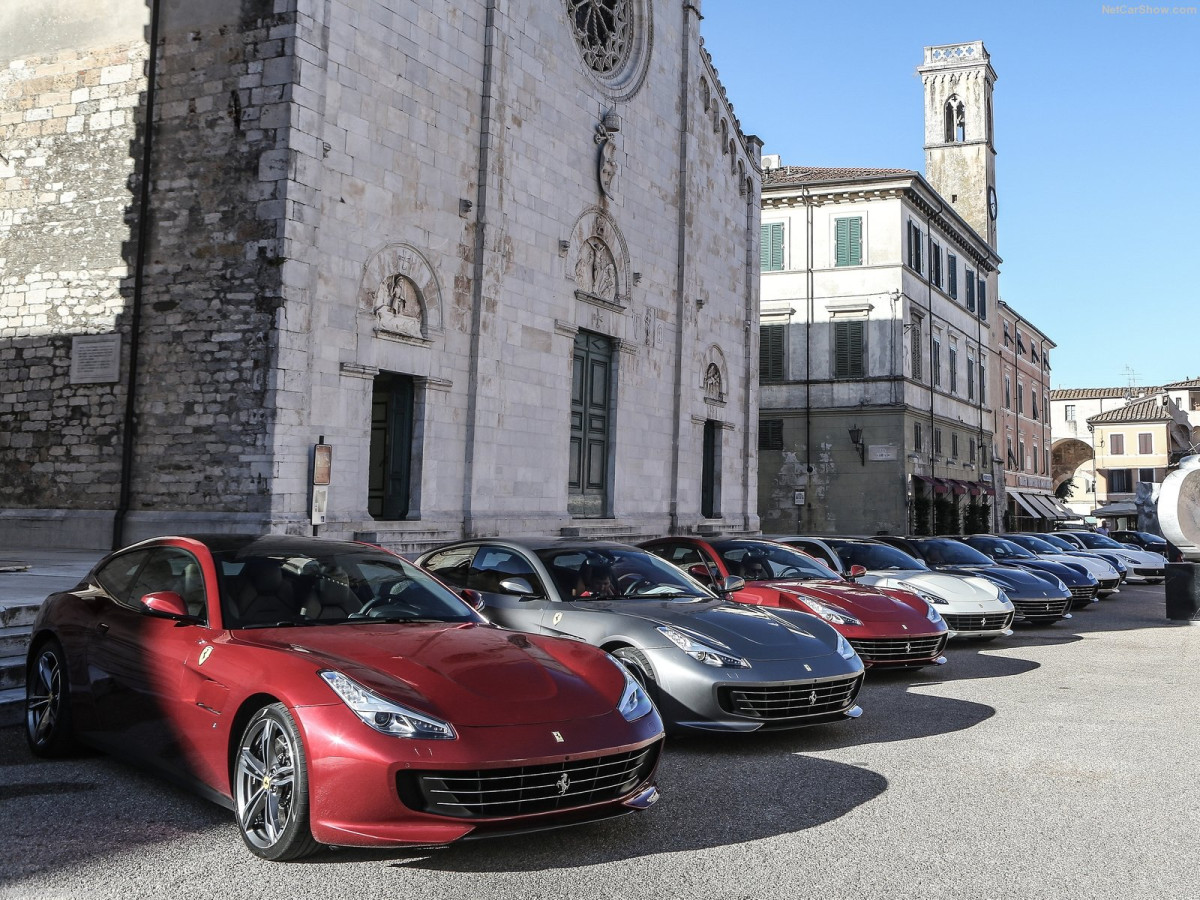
(102, 627)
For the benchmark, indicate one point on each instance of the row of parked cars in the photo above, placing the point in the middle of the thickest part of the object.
(334, 693)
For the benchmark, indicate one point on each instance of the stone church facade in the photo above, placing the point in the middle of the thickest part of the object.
(401, 271)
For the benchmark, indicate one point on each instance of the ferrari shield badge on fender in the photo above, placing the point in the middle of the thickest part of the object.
(557, 737)
(205, 654)
(557, 619)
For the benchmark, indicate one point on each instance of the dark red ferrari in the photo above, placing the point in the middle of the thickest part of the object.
(333, 693)
(889, 627)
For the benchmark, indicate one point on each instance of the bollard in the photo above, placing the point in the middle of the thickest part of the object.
(1183, 592)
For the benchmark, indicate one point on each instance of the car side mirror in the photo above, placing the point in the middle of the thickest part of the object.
(856, 572)
(732, 584)
(166, 605)
(473, 599)
(517, 585)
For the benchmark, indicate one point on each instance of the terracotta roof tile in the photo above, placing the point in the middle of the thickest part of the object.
(1186, 383)
(1150, 409)
(817, 174)
(1109, 393)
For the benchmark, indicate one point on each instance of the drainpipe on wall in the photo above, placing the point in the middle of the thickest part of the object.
(481, 200)
(810, 289)
(681, 258)
(129, 430)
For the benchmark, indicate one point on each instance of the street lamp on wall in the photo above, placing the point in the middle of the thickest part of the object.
(857, 441)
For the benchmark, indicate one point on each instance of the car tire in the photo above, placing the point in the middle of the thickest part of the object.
(271, 786)
(639, 666)
(49, 728)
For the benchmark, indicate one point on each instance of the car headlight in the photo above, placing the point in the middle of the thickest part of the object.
(844, 648)
(934, 616)
(830, 613)
(1003, 598)
(635, 702)
(720, 656)
(384, 715)
(932, 598)
(1061, 585)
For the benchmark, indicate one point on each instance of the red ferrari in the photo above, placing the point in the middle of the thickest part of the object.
(890, 628)
(333, 693)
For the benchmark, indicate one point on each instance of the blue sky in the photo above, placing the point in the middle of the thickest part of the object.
(1097, 138)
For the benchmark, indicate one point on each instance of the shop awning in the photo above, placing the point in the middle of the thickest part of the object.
(956, 486)
(1042, 502)
(937, 485)
(1025, 504)
(1120, 508)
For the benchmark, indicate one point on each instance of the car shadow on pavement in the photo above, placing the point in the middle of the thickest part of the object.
(761, 802)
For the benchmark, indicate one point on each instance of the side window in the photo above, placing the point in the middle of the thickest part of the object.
(175, 570)
(117, 577)
(686, 557)
(818, 552)
(452, 566)
(493, 565)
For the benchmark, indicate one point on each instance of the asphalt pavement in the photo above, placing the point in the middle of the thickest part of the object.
(1060, 762)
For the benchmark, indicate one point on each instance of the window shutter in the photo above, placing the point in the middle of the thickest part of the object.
(770, 353)
(970, 276)
(856, 241)
(843, 242)
(771, 251)
(848, 349)
(952, 267)
(982, 299)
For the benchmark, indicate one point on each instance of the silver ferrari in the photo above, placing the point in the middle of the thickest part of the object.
(708, 663)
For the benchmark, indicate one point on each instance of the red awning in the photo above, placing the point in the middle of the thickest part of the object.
(956, 486)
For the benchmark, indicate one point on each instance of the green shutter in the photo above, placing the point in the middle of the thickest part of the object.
(771, 252)
(848, 233)
(770, 353)
(848, 349)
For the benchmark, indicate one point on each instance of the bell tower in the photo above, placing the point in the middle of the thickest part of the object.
(960, 151)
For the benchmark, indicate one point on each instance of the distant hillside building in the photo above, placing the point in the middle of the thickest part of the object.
(470, 267)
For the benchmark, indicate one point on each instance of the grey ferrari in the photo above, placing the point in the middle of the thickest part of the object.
(708, 663)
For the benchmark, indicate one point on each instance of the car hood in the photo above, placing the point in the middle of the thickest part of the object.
(1068, 574)
(952, 588)
(469, 674)
(863, 602)
(747, 630)
(1016, 582)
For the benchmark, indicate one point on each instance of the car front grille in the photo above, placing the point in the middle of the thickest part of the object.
(793, 700)
(1148, 573)
(982, 622)
(899, 650)
(1110, 584)
(1041, 609)
(526, 790)
(1086, 592)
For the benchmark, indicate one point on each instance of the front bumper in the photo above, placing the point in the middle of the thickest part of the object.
(357, 776)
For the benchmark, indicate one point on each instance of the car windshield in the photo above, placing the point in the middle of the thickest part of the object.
(950, 553)
(1037, 545)
(1098, 541)
(768, 561)
(609, 573)
(1061, 543)
(329, 586)
(999, 548)
(874, 557)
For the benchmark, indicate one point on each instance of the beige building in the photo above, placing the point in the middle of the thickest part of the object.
(878, 294)
(1134, 445)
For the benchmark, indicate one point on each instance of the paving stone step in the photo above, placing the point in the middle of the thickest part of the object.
(12, 707)
(14, 640)
(18, 614)
(12, 672)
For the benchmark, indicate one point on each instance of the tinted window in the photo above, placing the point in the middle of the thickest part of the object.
(1062, 544)
(1098, 542)
(765, 561)
(1037, 545)
(493, 565)
(117, 575)
(175, 570)
(329, 584)
(998, 548)
(608, 572)
(453, 565)
(875, 556)
(950, 553)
